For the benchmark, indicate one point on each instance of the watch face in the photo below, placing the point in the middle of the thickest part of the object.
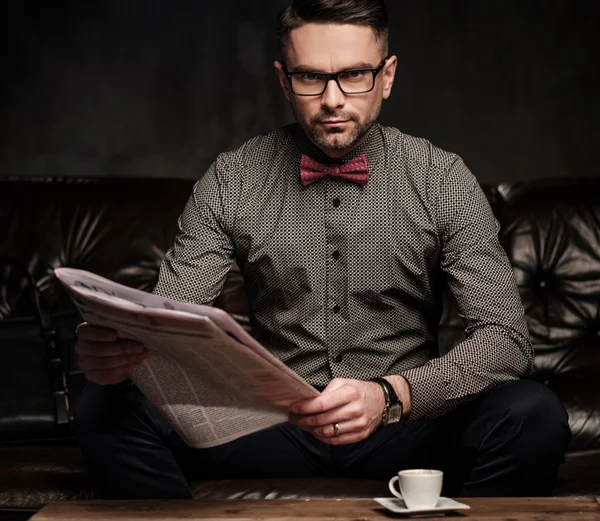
(394, 414)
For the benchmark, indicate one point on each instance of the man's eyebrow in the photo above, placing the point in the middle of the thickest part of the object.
(308, 68)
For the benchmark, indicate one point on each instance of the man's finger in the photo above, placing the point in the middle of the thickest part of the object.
(93, 363)
(336, 383)
(344, 428)
(344, 439)
(96, 333)
(109, 376)
(326, 401)
(348, 412)
(120, 347)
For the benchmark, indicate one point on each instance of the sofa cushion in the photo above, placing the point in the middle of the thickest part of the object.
(579, 476)
(30, 476)
(551, 235)
(290, 488)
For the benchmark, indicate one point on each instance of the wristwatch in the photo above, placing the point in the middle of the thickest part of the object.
(392, 412)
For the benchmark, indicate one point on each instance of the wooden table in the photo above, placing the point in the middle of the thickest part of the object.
(492, 509)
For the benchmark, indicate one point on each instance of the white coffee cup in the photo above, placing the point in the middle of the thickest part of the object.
(420, 488)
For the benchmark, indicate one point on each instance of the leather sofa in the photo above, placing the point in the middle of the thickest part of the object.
(121, 228)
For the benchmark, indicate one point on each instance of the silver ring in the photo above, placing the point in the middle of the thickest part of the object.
(336, 430)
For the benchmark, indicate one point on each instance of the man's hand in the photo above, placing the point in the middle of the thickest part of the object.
(355, 405)
(104, 357)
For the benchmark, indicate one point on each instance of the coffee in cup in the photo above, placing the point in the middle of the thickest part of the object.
(420, 488)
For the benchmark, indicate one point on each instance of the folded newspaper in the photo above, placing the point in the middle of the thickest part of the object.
(208, 376)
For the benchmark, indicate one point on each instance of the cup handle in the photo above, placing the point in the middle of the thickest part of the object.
(393, 489)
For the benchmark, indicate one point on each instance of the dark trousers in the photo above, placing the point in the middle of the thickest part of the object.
(507, 442)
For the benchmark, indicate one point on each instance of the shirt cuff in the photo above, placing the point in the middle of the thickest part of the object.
(428, 392)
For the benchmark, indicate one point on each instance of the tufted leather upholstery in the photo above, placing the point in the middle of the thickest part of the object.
(121, 228)
(551, 232)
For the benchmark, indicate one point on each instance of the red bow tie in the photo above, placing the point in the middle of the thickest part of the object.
(355, 170)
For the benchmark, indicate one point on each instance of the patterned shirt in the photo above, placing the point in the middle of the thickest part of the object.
(345, 280)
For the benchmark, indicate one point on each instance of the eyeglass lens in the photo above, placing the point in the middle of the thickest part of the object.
(351, 82)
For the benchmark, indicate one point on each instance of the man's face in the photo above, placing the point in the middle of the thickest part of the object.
(336, 122)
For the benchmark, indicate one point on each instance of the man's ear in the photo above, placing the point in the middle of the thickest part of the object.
(388, 73)
(283, 80)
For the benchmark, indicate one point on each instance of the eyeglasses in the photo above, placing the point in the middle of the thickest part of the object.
(351, 81)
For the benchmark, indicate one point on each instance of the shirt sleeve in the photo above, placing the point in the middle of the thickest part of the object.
(195, 268)
(497, 347)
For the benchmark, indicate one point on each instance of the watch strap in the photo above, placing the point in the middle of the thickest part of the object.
(391, 398)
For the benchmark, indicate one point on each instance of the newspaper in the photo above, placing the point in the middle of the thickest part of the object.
(212, 380)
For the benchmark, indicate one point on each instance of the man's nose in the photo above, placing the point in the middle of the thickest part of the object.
(333, 97)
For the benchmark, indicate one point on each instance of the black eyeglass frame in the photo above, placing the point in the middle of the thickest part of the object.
(335, 76)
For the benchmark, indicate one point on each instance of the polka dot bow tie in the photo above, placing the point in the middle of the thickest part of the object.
(355, 170)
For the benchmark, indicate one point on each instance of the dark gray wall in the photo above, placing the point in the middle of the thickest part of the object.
(158, 88)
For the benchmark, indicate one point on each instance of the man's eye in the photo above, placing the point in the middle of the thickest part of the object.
(309, 76)
(353, 75)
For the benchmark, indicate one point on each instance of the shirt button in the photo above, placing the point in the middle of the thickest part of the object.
(339, 358)
(336, 202)
(336, 255)
(336, 309)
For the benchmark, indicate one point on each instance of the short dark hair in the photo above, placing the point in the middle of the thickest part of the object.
(372, 13)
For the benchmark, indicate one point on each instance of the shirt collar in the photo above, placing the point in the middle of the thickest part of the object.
(372, 147)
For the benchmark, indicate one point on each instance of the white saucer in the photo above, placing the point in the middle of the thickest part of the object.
(397, 505)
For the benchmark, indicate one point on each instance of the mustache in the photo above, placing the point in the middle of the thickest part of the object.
(330, 116)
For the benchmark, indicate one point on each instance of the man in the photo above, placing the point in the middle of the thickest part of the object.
(346, 233)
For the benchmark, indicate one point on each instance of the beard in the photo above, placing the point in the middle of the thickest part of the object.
(337, 138)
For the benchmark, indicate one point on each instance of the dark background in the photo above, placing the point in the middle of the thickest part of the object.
(158, 88)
